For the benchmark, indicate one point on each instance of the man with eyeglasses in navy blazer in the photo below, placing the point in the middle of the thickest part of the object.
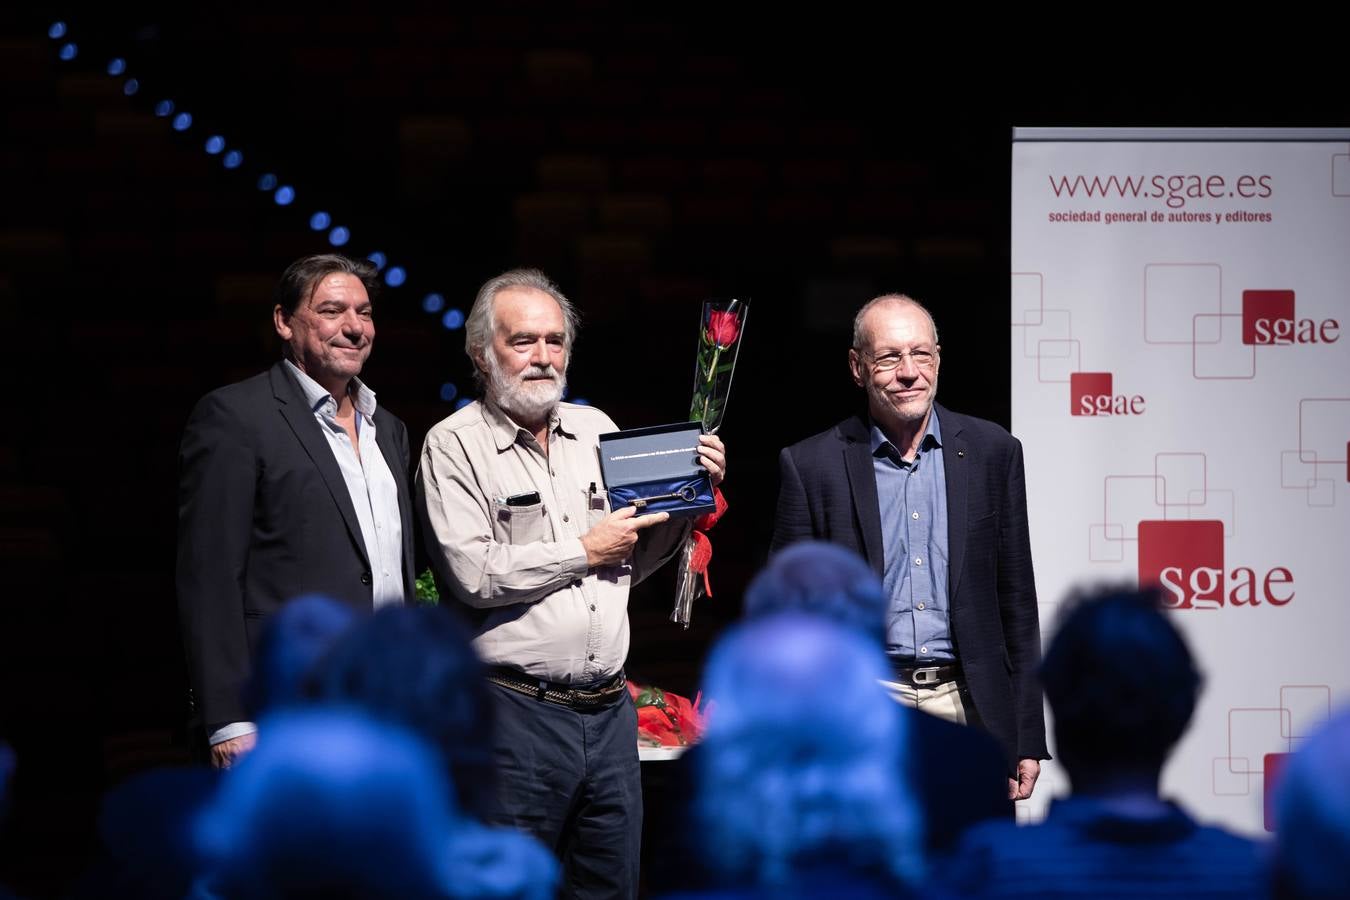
(935, 501)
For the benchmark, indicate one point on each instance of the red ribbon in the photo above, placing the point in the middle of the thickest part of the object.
(706, 521)
(702, 552)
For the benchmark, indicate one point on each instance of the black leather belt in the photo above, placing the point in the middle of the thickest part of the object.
(911, 672)
(561, 694)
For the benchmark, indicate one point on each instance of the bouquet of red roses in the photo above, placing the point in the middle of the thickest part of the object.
(665, 719)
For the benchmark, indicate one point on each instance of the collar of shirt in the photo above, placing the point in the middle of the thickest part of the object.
(882, 446)
(506, 432)
(320, 401)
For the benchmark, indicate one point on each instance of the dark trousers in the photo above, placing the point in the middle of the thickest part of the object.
(572, 779)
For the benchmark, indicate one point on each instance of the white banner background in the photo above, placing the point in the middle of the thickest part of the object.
(1201, 426)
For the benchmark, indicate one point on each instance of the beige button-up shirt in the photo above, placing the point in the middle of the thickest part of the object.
(546, 613)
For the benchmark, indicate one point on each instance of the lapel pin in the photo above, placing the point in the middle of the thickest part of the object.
(961, 454)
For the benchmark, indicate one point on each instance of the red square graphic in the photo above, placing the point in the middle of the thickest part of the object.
(1185, 559)
(1085, 391)
(1273, 766)
(1267, 317)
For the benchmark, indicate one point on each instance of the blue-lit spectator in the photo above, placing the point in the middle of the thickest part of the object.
(823, 579)
(1312, 844)
(335, 804)
(291, 644)
(1122, 686)
(145, 835)
(799, 788)
(414, 665)
(957, 773)
(7, 760)
(7, 764)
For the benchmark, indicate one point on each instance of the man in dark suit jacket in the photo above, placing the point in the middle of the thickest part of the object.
(954, 550)
(282, 490)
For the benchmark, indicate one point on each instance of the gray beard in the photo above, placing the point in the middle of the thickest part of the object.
(525, 401)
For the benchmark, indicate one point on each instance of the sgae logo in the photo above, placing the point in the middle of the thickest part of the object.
(1185, 559)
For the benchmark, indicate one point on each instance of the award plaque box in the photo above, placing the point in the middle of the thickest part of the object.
(656, 469)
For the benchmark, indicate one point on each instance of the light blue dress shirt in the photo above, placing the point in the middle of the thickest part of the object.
(913, 499)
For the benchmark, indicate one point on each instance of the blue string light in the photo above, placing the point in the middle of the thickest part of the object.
(282, 194)
(462, 402)
(449, 392)
(57, 31)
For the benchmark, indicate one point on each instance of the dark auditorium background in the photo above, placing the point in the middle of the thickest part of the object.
(646, 157)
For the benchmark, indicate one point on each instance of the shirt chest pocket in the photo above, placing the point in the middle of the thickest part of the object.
(596, 505)
(522, 524)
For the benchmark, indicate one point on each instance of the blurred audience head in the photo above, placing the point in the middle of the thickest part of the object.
(1121, 683)
(798, 772)
(501, 864)
(414, 665)
(291, 643)
(821, 579)
(7, 764)
(145, 828)
(1312, 853)
(330, 804)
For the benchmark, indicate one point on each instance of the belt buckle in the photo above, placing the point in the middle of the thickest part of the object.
(925, 675)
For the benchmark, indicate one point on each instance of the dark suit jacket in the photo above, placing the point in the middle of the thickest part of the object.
(264, 515)
(829, 492)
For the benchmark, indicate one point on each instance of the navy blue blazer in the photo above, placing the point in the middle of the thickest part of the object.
(264, 516)
(828, 492)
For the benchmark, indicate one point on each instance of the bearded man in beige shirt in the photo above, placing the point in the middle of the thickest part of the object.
(519, 529)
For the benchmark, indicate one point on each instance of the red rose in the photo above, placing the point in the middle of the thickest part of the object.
(723, 328)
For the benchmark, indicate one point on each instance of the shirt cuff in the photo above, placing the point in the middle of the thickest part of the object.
(230, 732)
(574, 563)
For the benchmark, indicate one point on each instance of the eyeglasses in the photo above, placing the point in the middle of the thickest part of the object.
(922, 358)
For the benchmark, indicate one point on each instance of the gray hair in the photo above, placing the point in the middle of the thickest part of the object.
(888, 299)
(482, 319)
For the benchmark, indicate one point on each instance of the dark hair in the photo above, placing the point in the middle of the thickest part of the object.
(303, 276)
(1121, 683)
(414, 665)
(820, 579)
(291, 644)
